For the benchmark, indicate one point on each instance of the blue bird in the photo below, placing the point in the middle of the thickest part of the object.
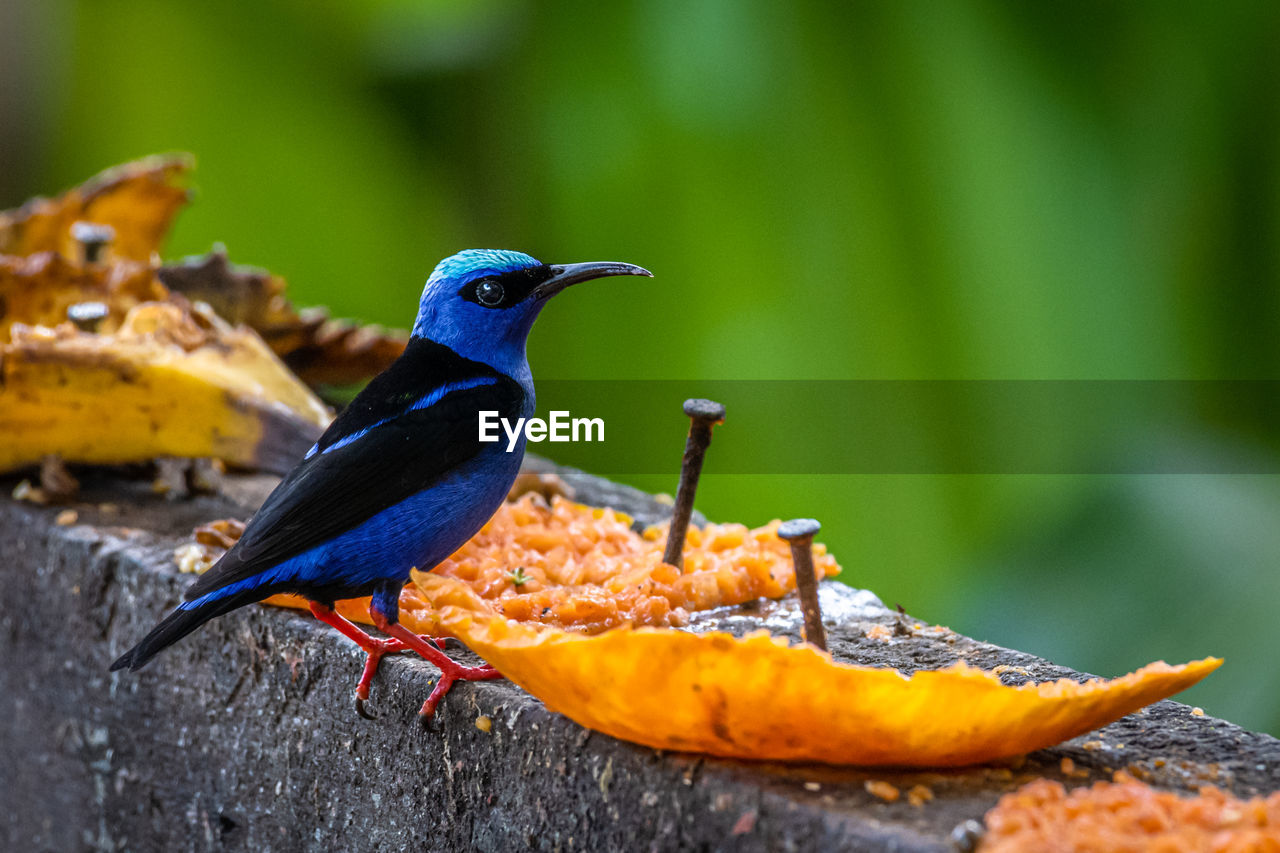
(400, 479)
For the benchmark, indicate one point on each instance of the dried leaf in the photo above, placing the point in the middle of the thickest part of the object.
(239, 294)
(320, 350)
(341, 352)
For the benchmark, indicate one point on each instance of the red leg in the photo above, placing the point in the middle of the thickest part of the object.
(348, 629)
(450, 670)
(373, 647)
(376, 648)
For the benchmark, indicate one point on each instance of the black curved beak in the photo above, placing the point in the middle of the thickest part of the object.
(564, 275)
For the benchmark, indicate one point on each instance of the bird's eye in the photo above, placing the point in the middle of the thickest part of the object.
(489, 293)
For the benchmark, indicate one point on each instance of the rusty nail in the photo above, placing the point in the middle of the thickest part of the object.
(93, 238)
(799, 533)
(703, 415)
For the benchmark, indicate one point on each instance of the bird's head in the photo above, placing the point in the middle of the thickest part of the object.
(481, 303)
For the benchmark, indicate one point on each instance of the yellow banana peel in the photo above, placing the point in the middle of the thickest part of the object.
(168, 382)
(101, 363)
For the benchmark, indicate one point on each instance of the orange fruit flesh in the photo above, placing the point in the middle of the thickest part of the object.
(1129, 815)
(584, 568)
(574, 606)
(760, 697)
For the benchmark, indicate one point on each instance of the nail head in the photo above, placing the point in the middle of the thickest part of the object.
(91, 232)
(93, 238)
(704, 410)
(87, 315)
(798, 528)
(966, 837)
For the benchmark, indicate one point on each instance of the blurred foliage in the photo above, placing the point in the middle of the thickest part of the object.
(857, 190)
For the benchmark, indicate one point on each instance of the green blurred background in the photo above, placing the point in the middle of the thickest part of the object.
(888, 190)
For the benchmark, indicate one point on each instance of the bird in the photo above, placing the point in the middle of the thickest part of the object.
(400, 479)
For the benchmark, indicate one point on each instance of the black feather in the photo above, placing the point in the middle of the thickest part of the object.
(335, 491)
(177, 625)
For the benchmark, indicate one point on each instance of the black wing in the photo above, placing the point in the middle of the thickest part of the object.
(338, 489)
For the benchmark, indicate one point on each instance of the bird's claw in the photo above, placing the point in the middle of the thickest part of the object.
(400, 640)
(391, 646)
(427, 718)
(450, 675)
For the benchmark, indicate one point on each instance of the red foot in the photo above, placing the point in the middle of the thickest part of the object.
(450, 670)
(445, 684)
(371, 664)
(402, 639)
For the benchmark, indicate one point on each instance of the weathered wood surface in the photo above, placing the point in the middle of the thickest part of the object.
(243, 736)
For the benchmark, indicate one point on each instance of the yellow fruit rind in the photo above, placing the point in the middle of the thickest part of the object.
(760, 698)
